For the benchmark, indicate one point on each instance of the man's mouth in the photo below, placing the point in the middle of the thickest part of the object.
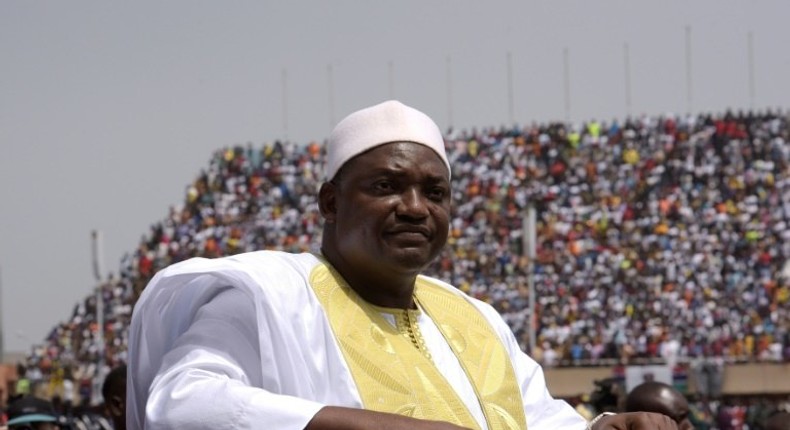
(412, 233)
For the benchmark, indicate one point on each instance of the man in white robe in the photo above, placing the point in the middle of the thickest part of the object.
(353, 337)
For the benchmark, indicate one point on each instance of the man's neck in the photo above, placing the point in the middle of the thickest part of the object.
(386, 298)
(387, 290)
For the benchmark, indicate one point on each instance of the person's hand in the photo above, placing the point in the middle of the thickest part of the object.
(339, 418)
(635, 421)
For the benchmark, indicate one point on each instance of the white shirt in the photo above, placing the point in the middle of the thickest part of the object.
(242, 342)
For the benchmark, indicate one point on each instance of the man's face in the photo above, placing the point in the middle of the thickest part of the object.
(392, 208)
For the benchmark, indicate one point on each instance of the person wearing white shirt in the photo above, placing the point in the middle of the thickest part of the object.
(351, 337)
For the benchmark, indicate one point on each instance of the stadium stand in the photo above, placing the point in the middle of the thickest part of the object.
(660, 239)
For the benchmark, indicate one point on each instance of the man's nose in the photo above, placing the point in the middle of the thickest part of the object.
(412, 204)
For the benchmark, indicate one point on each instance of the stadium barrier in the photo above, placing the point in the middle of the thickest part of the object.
(737, 379)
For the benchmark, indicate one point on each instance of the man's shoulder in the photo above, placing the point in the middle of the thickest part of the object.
(255, 262)
(254, 272)
(440, 285)
(263, 260)
(488, 311)
(431, 282)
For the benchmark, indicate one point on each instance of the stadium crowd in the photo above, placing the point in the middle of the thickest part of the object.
(658, 238)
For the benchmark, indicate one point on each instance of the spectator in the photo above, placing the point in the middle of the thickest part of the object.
(778, 421)
(654, 396)
(32, 412)
(114, 394)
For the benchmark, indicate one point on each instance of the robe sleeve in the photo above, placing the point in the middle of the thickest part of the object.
(200, 365)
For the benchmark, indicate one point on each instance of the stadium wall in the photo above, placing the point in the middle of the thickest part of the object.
(737, 380)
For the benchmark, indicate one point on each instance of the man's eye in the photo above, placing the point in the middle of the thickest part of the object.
(383, 186)
(437, 194)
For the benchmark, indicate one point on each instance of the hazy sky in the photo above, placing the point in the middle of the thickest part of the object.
(109, 109)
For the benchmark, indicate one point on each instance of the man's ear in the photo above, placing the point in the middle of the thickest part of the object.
(327, 202)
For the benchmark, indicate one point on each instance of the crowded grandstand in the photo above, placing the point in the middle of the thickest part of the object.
(659, 239)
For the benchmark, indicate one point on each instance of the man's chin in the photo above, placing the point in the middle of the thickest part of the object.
(411, 260)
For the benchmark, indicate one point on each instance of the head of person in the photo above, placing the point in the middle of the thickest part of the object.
(654, 396)
(114, 392)
(778, 421)
(607, 395)
(32, 413)
(386, 199)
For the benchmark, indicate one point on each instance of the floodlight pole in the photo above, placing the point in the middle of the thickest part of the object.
(96, 254)
(529, 239)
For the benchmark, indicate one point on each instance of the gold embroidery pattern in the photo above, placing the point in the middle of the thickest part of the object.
(405, 380)
(406, 322)
(479, 351)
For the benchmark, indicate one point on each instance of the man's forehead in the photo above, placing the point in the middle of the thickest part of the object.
(385, 159)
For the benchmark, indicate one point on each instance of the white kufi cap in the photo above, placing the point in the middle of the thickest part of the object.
(387, 122)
